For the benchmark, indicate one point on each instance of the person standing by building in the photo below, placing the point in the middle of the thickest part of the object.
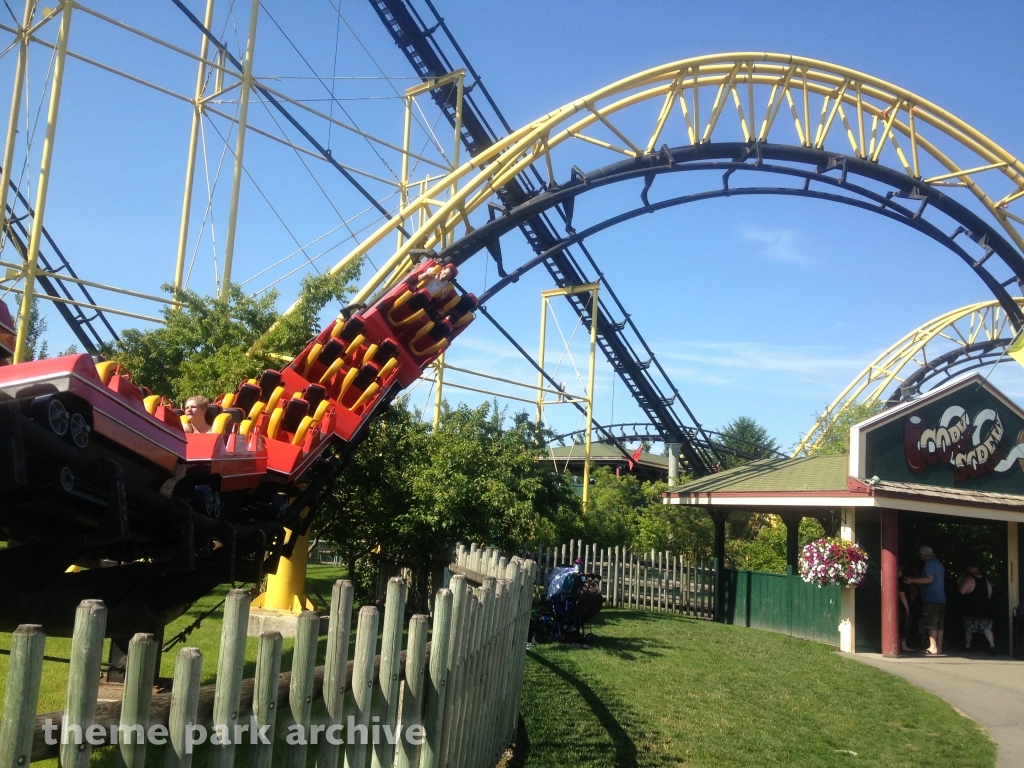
(977, 605)
(905, 613)
(933, 597)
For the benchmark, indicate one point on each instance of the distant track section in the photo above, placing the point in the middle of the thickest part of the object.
(415, 40)
(90, 326)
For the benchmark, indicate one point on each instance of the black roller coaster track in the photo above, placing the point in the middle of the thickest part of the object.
(642, 431)
(92, 329)
(813, 167)
(416, 42)
(952, 363)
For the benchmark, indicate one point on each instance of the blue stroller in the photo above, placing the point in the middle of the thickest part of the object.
(572, 598)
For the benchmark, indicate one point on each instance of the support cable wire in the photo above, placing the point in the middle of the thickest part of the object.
(287, 115)
(384, 75)
(329, 91)
(271, 206)
(529, 358)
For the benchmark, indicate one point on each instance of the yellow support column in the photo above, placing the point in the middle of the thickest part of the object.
(32, 258)
(286, 589)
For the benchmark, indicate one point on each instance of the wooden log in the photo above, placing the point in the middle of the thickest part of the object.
(491, 664)
(456, 755)
(615, 578)
(481, 704)
(140, 668)
(501, 734)
(413, 690)
(514, 573)
(264, 701)
(336, 665)
(519, 652)
(229, 677)
(24, 674)
(434, 692)
(362, 687)
(460, 623)
(300, 693)
(663, 561)
(386, 696)
(188, 670)
(83, 684)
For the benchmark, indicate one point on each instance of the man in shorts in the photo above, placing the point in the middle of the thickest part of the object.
(933, 598)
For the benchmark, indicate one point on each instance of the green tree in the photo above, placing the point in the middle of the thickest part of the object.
(746, 435)
(766, 549)
(833, 438)
(203, 347)
(409, 494)
(625, 511)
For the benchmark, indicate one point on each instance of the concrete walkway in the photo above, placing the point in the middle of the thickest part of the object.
(988, 690)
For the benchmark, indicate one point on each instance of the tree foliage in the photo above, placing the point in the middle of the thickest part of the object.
(626, 511)
(203, 347)
(409, 493)
(745, 434)
(834, 436)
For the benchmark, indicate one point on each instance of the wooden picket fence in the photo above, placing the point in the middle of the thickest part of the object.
(645, 581)
(461, 688)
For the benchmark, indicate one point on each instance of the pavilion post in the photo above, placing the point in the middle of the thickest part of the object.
(1013, 573)
(890, 584)
(847, 599)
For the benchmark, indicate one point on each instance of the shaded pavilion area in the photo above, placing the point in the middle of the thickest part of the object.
(946, 470)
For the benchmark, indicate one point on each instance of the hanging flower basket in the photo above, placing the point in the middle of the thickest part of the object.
(833, 561)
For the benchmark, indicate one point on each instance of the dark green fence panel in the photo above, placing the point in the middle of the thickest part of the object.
(781, 603)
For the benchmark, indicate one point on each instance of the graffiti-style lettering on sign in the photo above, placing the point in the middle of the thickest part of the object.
(973, 447)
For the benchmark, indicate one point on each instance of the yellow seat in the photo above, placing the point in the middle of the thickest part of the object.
(275, 423)
(105, 370)
(151, 403)
(300, 433)
(220, 423)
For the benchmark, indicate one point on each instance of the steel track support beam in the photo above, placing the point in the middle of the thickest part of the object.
(546, 296)
(190, 167)
(243, 119)
(16, 94)
(45, 168)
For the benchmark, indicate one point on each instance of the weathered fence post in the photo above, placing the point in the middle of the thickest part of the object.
(520, 657)
(24, 674)
(362, 687)
(413, 693)
(83, 683)
(229, 677)
(264, 698)
(188, 670)
(386, 705)
(336, 665)
(138, 695)
(436, 689)
(300, 690)
(459, 623)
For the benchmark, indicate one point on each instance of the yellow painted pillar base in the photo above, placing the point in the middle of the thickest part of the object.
(286, 589)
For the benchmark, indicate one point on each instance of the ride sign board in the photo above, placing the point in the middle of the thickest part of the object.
(965, 434)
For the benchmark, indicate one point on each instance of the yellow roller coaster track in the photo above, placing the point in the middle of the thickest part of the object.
(685, 103)
(962, 328)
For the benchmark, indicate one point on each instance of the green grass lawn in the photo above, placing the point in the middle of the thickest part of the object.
(660, 690)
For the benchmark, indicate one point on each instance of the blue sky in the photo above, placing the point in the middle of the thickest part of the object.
(762, 307)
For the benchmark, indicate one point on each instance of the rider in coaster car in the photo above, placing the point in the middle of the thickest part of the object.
(195, 414)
